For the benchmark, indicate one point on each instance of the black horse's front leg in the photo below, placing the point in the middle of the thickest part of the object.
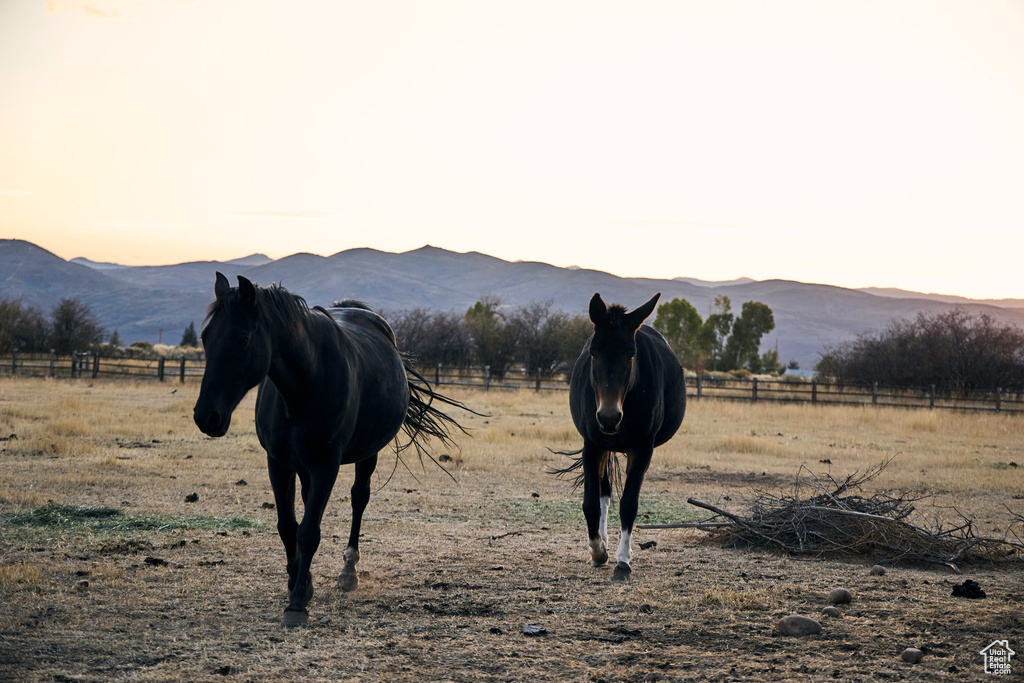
(282, 481)
(593, 510)
(315, 495)
(348, 580)
(636, 466)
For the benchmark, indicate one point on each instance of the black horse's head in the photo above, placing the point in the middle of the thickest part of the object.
(612, 355)
(238, 353)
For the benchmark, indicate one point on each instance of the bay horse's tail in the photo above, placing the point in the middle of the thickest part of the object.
(609, 463)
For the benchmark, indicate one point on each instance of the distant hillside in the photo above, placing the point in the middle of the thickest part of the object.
(946, 298)
(139, 301)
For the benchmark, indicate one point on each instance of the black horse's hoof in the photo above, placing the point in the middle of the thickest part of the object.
(622, 572)
(348, 581)
(294, 617)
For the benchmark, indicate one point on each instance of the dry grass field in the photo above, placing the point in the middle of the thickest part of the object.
(107, 573)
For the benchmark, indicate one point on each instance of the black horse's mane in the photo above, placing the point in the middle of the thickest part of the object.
(276, 304)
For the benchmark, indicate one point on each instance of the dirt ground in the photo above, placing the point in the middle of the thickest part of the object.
(452, 571)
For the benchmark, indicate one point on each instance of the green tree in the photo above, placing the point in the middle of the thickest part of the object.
(73, 327)
(741, 350)
(680, 323)
(115, 339)
(715, 331)
(493, 339)
(189, 337)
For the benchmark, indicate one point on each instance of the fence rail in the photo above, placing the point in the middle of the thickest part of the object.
(89, 365)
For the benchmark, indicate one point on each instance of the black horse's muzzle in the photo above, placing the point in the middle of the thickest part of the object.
(211, 422)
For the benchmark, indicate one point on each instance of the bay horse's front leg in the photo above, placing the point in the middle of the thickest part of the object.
(316, 492)
(595, 509)
(348, 580)
(636, 467)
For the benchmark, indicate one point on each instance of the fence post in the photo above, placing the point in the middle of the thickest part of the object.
(874, 393)
(14, 362)
(931, 397)
(437, 375)
(183, 369)
(537, 385)
(53, 363)
(74, 364)
(95, 365)
(700, 388)
(754, 392)
(487, 377)
(814, 391)
(999, 399)
(160, 369)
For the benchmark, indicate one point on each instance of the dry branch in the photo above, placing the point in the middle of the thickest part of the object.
(838, 522)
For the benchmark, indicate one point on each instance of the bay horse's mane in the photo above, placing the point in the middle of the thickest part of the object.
(616, 315)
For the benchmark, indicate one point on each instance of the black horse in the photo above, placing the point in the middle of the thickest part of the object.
(333, 390)
(626, 396)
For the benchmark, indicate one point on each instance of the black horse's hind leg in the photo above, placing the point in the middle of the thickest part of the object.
(348, 580)
(282, 480)
(315, 493)
(593, 489)
(636, 467)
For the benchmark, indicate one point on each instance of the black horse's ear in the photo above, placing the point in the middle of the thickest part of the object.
(636, 318)
(221, 286)
(246, 290)
(598, 309)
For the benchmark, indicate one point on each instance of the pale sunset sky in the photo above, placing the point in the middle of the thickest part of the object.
(848, 142)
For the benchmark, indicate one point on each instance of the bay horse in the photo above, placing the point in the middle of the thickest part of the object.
(626, 395)
(333, 390)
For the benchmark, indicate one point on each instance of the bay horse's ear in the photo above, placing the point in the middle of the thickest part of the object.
(636, 318)
(598, 309)
(246, 290)
(221, 286)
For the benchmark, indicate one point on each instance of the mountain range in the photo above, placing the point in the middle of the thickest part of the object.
(156, 303)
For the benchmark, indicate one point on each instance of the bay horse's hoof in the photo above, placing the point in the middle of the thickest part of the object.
(622, 572)
(348, 581)
(595, 564)
(293, 617)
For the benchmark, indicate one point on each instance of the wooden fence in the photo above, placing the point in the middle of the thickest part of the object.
(88, 365)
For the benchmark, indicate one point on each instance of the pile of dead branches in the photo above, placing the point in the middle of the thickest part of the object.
(837, 521)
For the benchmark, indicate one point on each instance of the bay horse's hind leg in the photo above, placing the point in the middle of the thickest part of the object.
(348, 580)
(636, 467)
(594, 509)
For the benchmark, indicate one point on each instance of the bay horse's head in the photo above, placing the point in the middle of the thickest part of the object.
(612, 356)
(238, 352)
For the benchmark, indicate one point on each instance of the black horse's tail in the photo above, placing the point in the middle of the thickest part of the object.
(609, 463)
(424, 420)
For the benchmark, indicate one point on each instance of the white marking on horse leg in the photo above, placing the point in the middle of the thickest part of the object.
(605, 502)
(623, 554)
